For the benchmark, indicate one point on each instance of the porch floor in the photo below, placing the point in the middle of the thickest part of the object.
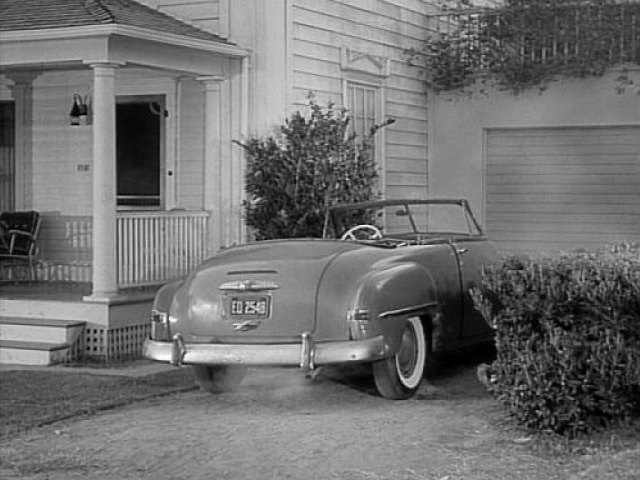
(64, 291)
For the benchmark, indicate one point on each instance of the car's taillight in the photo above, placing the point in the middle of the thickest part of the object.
(160, 326)
(358, 322)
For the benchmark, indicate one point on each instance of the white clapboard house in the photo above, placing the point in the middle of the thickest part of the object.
(118, 122)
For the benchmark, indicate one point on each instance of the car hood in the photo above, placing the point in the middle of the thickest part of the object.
(264, 290)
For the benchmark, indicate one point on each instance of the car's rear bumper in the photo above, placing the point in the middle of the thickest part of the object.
(306, 354)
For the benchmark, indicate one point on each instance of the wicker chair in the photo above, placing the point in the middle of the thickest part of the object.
(19, 242)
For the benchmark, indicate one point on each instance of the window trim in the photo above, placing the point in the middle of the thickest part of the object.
(372, 71)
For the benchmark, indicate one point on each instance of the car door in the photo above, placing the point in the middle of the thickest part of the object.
(473, 253)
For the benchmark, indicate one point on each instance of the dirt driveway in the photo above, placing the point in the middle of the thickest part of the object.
(281, 426)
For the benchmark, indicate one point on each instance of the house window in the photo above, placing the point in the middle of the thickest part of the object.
(139, 132)
(362, 105)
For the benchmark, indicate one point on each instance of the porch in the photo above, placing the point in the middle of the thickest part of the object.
(54, 318)
(136, 184)
(44, 323)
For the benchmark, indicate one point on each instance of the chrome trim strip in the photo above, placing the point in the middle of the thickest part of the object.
(248, 286)
(321, 353)
(405, 310)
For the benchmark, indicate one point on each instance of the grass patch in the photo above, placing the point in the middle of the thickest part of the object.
(32, 398)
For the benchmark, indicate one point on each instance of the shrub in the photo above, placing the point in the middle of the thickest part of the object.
(567, 337)
(314, 163)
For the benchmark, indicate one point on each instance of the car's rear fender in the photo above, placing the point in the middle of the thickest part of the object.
(163, 324)
(164, 296)
(388, 296)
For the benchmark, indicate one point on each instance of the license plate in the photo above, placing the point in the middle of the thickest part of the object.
(253, 307)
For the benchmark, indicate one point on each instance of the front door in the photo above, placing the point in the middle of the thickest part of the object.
(7, 156)
(139, 132)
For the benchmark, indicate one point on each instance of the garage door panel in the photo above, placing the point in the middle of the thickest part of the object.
(564, 179)
(568, 222)
(587, 206)
(611, 159)
(566, 188)
(562, 188)
(570, 150)
(521, 200)
(553, 136)
(568, 240)
(549, 244)
(600, 167)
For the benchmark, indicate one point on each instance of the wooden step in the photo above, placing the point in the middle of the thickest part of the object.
(37, 308)
(32, 353)
(43, 330)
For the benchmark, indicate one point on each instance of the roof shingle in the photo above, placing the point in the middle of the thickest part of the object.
(45, 14)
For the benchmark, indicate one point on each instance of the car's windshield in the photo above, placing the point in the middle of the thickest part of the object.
(406, 220)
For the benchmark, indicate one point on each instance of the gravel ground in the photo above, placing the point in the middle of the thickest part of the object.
(280, 425)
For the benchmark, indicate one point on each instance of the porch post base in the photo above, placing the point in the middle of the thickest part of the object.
(102, 297)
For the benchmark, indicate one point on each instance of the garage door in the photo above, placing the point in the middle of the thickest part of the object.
(562, 188)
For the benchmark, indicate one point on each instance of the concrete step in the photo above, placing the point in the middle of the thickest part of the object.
(32, 353)
(43, 330)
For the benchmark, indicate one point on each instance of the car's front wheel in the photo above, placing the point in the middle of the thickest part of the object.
(399, 377)
(219, 378)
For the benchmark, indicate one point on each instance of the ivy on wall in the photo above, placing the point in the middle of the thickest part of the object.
(527, 43)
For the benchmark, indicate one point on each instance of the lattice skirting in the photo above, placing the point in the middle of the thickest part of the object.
(116, 343)
(76, 351)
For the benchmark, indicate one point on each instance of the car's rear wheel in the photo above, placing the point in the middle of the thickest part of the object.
(219, 378)
(399, 377)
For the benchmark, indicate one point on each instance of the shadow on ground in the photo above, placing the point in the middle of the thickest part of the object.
(455, 375)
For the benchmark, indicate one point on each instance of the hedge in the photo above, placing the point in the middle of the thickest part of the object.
(567, 337)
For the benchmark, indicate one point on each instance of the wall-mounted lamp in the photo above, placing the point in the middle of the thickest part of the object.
(80, 114)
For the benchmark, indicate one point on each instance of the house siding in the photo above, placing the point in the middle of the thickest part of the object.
(60, 151)
(204, 14)
(190, 167)
(320, 29)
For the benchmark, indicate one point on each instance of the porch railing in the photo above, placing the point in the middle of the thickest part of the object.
(154, 247)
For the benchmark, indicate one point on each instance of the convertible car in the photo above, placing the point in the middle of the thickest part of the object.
(387, 284)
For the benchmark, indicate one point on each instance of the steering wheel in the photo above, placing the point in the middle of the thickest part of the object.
(373, 232)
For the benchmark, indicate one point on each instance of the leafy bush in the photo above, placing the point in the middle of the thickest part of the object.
(314, 163)
(567, 337)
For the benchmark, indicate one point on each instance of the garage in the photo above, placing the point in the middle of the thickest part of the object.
(551, 189)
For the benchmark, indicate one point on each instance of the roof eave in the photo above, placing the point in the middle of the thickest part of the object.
(126, 31)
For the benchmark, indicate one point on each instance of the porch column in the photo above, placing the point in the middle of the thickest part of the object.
(105, 281)
(22, 91)
(212, 159)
